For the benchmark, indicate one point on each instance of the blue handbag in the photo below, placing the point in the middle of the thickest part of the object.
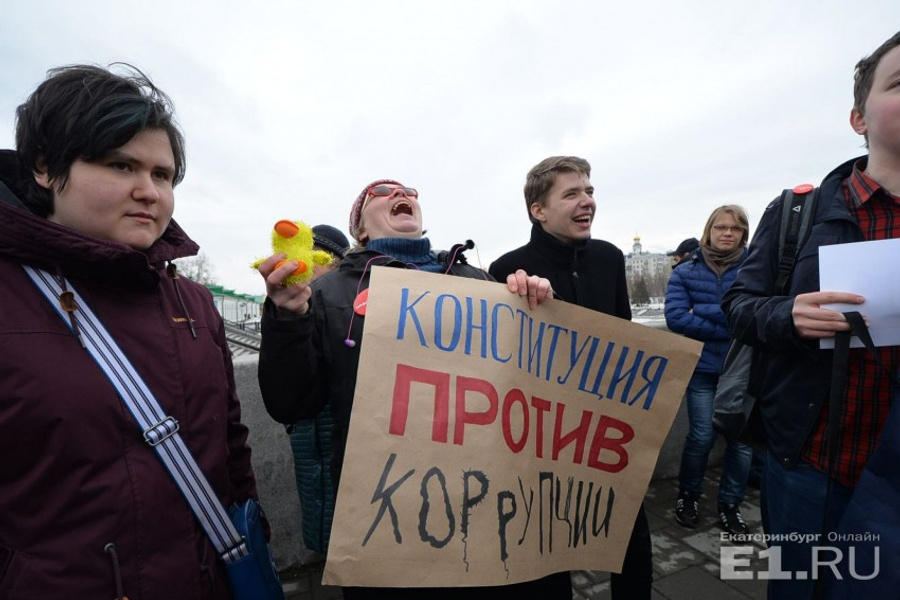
(254, 576)
(237, 535)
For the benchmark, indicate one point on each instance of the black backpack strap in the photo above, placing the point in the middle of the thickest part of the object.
(798, 208)
(840, 362)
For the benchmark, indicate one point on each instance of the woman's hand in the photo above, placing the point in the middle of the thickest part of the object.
(293, 298)
(536, 288)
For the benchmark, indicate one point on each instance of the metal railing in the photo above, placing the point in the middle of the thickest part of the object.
(242, 341)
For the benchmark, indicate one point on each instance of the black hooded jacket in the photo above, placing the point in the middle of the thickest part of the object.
(796, 376)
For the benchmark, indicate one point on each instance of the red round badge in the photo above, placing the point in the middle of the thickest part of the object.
(803, 188)
(361, 302)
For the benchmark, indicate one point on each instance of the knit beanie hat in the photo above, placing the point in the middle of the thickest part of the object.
(331, 239)
(356, 209)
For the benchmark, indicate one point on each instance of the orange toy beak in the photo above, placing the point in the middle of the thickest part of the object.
(286, 229)
(301, 266)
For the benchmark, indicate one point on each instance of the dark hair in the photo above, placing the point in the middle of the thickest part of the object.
(85, 112)
(864, 75)
(542, 176)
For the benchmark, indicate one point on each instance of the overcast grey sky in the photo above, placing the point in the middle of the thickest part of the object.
(291, 108)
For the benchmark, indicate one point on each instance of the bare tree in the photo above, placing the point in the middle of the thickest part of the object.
(657, 284)
(650, 286)
(197, 268)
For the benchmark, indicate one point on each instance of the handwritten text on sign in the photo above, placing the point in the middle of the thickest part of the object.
(491, 444)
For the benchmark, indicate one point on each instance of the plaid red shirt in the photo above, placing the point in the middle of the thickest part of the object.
(868, 394)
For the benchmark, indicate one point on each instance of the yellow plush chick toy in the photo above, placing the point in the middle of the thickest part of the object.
(295, 239)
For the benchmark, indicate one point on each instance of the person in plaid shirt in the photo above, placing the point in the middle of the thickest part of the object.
(858, 201)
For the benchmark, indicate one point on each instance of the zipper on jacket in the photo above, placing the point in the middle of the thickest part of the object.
(172, 272)
(576, 277)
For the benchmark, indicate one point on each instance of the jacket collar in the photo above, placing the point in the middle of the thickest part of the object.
(552, 247)
(358, 260)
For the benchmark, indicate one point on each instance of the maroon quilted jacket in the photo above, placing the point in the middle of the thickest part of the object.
(75, 473)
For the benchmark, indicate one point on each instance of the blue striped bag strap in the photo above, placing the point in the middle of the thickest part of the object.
(160, 430)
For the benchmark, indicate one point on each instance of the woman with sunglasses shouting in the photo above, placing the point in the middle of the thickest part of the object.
(313, 333)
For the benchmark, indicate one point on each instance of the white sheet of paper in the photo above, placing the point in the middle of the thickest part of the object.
(871, 269)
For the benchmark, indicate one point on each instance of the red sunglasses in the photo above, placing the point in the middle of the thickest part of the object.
(384, 190)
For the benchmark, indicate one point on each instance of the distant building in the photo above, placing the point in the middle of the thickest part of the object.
(242, 310)
(646, 265)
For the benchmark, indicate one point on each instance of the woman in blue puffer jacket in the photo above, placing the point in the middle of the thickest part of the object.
(693, 299)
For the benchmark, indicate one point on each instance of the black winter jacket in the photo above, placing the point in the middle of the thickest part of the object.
(305, 363)
(795, 376)
(579, 274)
(590, 274)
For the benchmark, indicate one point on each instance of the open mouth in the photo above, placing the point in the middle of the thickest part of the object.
(402, 208)
(583, 219)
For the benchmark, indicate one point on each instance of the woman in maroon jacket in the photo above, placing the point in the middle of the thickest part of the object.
(87, 510)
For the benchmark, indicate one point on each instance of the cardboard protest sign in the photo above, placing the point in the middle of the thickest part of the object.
(491, 444)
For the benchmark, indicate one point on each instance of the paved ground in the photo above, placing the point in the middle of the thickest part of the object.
(685, 561)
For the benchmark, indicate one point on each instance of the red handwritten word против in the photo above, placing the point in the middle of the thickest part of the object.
(609, 434)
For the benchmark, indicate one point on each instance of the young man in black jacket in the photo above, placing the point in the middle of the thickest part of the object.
(806, 489)
(590, 273)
